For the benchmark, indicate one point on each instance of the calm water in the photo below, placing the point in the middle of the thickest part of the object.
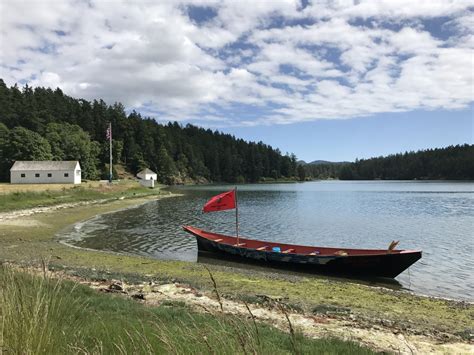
(436, 217)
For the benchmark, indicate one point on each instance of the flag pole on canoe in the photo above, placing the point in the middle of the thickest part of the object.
(236, 216)
(224, 201)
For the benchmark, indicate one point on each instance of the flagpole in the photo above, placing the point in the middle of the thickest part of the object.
(110, 151)
(236, 216)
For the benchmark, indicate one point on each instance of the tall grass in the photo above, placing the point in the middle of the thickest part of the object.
(41, 315)
(37, 312)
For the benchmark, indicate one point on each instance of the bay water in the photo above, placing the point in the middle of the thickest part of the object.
(435, 217)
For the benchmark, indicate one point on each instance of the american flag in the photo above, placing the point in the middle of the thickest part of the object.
(108, 134)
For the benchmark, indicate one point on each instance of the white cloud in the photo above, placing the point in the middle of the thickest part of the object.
(400, 9)
(330, 60)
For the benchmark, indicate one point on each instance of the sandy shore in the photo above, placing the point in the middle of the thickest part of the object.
(16, 217)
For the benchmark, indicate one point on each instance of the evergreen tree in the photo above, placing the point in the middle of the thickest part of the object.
(5, 161)
(70, 142)
(301, 173)
(165, 166)
(24, 144)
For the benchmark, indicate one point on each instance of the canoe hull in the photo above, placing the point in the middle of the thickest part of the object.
(382, 264)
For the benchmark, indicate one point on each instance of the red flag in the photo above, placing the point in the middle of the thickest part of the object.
(224, 201)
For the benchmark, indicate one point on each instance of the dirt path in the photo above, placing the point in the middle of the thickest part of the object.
(16, 217)
(13, 217)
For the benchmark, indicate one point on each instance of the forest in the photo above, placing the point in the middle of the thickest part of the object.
(450, 163)
(45, 124)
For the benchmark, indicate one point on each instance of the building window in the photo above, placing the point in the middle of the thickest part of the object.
(23, 175)
(37, 175)
(66, 174)
(50, 175)
(78, 173)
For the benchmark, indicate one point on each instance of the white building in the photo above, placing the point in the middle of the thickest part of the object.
(147, 174)
(147, 178)
(45, 172)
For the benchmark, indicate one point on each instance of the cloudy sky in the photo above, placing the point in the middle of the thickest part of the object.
(324, 79)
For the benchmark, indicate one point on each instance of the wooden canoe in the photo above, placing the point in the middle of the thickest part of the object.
(359, 262)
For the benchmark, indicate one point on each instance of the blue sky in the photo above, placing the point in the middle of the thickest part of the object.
(332, 80)
(365, 137)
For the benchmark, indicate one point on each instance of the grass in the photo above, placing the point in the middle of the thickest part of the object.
(13, 197)
(41, 315)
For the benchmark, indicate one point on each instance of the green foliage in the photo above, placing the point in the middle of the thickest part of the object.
(41, 315)
(117, 150)
(5, 162)
(165, 166)
(346, 173)
(452, 163)
(324, 171)
(301, 173)
(105, 172)
(24, 144)
(75, 129)
(36, 313)
(70, 142)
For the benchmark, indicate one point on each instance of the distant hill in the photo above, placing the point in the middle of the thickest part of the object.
(320, 162)
(324, 169)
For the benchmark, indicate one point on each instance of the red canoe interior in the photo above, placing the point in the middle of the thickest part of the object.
(286, 248)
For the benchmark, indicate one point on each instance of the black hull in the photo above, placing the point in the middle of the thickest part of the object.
(381, 265)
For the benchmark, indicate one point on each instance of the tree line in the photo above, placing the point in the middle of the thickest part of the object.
(450, 163)
(45, 124)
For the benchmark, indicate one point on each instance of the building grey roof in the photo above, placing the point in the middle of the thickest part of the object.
(44, 165)
(146, 171)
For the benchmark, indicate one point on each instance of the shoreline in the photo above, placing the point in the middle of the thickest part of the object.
(270, 270)
(267, 310)
(57, 237)
(299, 291)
